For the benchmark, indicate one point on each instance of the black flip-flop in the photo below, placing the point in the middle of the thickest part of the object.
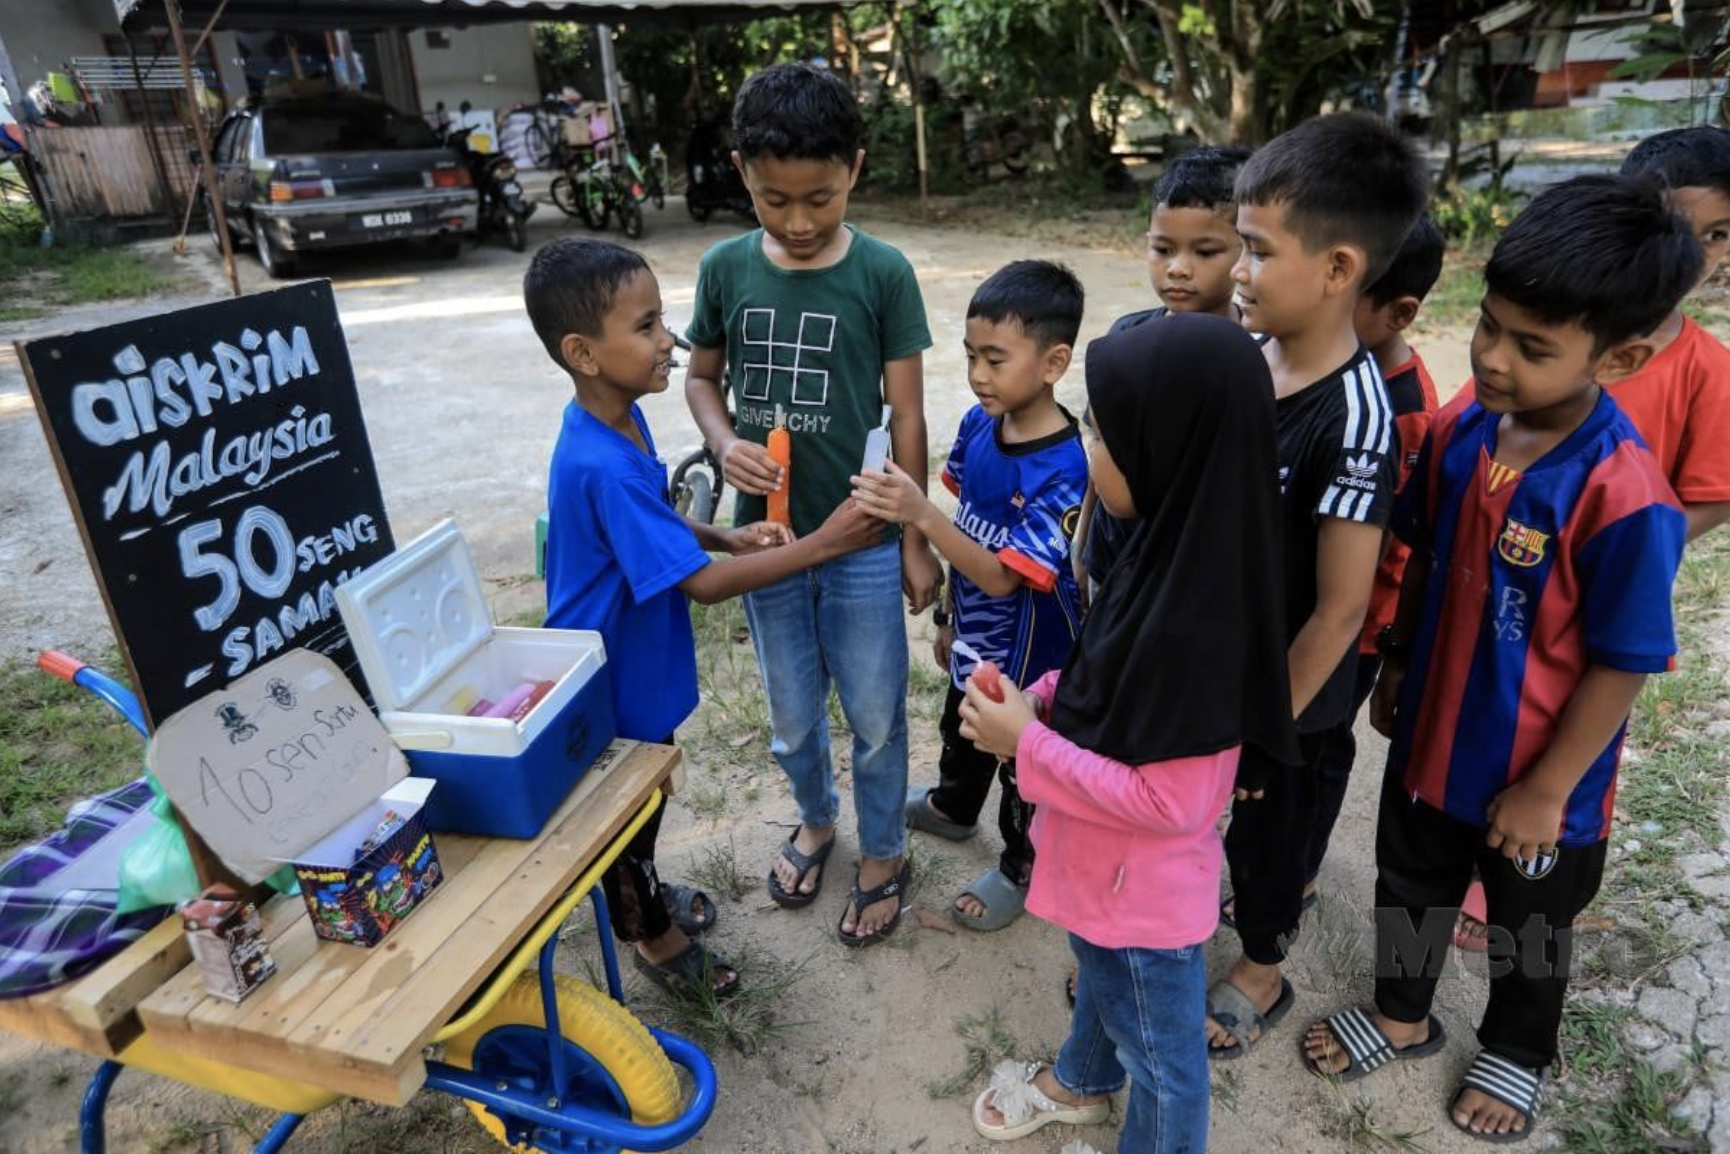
(682, 902)
(690, 973)
(1367, 1047)
(804, 863)
(895, 887)
(1509, 1083)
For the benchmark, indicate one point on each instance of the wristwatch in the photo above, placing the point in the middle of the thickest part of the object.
(1391, 647)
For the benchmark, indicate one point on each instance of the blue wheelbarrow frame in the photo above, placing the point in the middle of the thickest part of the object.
(532, 1118)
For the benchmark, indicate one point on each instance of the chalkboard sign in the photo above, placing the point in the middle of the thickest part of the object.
(218, 466)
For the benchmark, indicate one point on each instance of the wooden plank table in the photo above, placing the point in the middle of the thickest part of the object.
(342, 1017)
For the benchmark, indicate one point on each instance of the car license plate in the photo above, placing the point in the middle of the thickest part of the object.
(383, 219)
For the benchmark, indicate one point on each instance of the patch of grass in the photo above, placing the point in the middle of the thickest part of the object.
(1358, 1124)
(9, 1098)
(59, 1075)
(57, 744)
(985, 1042)
(174, 1136)
(1592, 1037)
(717, 872)
(526, 619)
(706, 797)
(1639, 1117)
(428, 1122)
(1454, 299)
(76, 274)
(749, 1018)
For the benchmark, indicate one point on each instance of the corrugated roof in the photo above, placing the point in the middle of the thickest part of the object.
(361, 15)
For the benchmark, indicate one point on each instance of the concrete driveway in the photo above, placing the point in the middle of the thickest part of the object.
(461, 402)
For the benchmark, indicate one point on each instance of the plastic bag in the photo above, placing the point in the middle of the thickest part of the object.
(157, 869)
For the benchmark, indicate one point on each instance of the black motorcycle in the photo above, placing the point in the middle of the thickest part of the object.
(503, 209)
(711, 181)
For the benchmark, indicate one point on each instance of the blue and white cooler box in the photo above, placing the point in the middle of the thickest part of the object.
(423, 633)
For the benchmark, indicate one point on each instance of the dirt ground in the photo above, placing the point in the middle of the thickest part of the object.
(462, 408)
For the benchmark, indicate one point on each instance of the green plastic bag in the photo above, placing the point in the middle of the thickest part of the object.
(157, 869)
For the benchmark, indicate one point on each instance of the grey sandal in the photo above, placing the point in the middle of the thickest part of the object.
(921, 816)
(1004, 902)
(1368, 1048)
(690, 973)
(690, 909)
(1509, 1083)
(1237, 1015)
(803, 862)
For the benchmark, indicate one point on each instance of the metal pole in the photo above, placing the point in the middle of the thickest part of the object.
(915, 80)
(212, 190)
(609, 70)
(150, 128)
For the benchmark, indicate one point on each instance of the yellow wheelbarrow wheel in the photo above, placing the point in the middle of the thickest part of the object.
(504, 1044)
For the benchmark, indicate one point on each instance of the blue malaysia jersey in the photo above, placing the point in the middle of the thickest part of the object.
(1022, 503)
(1533, 578)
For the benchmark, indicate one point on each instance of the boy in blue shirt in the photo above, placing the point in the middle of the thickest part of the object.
(620, 561)
(819, 327)
(1019, 472)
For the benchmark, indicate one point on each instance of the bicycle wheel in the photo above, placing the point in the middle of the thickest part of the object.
(539, 145)
(565, 196)
(631, 219)
(611, 1061)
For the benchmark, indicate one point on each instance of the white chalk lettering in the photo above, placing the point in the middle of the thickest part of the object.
(169, 391)
(160, 481)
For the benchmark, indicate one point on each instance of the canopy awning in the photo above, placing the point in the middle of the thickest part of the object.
(367, 15)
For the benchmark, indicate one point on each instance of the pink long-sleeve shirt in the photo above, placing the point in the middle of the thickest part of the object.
(1125, 855)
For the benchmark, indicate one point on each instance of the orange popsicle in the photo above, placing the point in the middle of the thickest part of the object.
(781, 449)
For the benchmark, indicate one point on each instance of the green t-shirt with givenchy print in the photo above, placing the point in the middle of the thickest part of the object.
(814, 342)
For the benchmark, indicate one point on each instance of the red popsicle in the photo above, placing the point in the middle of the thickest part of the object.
(989, 680)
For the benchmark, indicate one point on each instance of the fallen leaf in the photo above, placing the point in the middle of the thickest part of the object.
(742, 741)
(932, 921)
(1595, 925)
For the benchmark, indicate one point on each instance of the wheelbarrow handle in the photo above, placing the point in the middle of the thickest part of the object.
(113, 694)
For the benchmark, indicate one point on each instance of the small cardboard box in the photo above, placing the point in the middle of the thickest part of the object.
(420, 625)
(360, 901)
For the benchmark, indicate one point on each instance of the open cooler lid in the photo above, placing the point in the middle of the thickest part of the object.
(416, 615)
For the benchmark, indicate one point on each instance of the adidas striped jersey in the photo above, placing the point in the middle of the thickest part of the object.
(1338, 457)
(1533, 577)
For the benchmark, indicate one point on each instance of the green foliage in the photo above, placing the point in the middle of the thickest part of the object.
(1052, 61)
(1474, 217)
(67, 273)
(57, 744)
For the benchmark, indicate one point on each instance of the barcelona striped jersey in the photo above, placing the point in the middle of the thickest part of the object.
(1534, 576)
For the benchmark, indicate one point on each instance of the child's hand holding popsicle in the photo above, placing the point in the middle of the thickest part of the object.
(893, 496)
(994, 713)
(757, 537)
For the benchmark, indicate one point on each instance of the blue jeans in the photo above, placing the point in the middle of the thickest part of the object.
(839, 623)
(1142, 1012)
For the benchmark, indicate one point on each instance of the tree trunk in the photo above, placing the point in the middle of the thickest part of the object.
(1242, 43)
(1181, 94)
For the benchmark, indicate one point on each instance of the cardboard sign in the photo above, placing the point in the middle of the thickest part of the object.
(219, 470)
(274, 762)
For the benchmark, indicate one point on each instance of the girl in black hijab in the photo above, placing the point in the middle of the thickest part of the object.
(1130, 751)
